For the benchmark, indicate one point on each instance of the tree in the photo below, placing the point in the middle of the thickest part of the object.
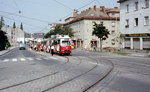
(3, 40)
(14, 25)
(61, 31)
(68, 31)
(21, 26)
(1, 22)
(101, 32)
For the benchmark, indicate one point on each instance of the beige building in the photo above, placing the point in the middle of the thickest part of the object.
(9, 32)
(18, 35)
(14, 35)
(82, 24)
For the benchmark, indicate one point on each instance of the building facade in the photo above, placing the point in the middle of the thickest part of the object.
(134, 17)
(82, 25)
(15, 35)
(9, 33)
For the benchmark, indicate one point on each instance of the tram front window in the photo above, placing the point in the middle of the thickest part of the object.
(65, 43)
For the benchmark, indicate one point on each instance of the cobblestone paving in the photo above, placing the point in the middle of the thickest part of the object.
(73, 76)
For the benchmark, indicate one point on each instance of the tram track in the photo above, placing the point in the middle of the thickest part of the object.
(83, 74)
(55, 86)
(79, 62)
(36, 79)
(98, 81)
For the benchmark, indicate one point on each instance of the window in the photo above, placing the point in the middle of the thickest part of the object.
(127, 23)
(113, 24)
(146, 3)
(113, 32)
(146, 20)
(127, 7)
(93, 22)
(136, 6)
(113, 14)
(136, 22)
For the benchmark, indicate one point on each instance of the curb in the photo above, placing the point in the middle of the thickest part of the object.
(10, 49)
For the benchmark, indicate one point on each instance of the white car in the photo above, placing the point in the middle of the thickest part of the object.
(22, 46)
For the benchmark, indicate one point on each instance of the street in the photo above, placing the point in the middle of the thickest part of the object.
(82, 71)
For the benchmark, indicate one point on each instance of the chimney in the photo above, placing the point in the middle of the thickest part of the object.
(94, 7)
(75, 14)
(115, 7)
(102, 8)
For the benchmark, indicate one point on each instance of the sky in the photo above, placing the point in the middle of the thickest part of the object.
(36, 15)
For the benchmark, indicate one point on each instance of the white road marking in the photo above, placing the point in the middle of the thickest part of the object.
(30, 59)
(22, 59)
(14, 60)
(6, 60)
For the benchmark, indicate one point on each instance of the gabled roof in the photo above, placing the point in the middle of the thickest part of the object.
(96, 13)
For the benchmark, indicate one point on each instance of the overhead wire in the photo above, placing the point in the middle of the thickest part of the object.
(63, 4)
(78, 9)
(44, 20)
(25, 17)
(20, 21)
(16, 5)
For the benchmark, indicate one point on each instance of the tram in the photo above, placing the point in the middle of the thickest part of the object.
(62, 44)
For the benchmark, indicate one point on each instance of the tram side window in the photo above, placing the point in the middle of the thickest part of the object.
(65, 43)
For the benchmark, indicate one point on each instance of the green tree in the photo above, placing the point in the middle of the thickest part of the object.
(21, 26)
(14, 25)
(1, 22)
(3, 40)
(101, 32)
(68, 31)
(61, 31)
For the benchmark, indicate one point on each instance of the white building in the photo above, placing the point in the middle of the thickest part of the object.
(14, 35)
(9, 32)
(19, 35)
(82, 25)
(134, 17)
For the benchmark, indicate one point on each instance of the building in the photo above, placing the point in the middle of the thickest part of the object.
(19, 35)
(27, 37)
(14, 35)
(9, 32)
(134, 17)
(82, 25)
(38, 37)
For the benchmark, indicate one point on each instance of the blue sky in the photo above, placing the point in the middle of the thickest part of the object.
(37, 14)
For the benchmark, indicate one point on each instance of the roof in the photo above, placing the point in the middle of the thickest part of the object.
(38, 35)
(101, 13)
(120, 1)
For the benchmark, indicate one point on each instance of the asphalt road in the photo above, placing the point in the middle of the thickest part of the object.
(29, 71)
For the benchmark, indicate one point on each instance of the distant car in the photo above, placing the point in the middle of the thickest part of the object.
(22, 46)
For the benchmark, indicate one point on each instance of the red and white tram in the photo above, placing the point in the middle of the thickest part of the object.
(62, 44)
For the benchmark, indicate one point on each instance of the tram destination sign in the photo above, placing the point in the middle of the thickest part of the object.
(137, 35)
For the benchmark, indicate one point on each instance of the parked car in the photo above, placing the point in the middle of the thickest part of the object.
(22, 46)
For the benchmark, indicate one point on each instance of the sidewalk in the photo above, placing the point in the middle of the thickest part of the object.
(6, 51)
(133, 53)
(137, 53)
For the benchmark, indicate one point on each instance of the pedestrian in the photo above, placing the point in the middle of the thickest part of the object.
(52, 49)
(94, 48)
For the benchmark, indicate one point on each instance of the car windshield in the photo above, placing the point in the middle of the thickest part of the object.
(22, 45)
(65, 43)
